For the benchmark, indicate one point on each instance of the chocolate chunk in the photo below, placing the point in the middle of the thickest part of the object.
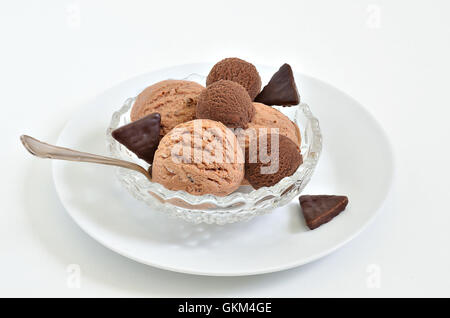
(320, 209)
(141, 136)
(281, 89)
(285, 159)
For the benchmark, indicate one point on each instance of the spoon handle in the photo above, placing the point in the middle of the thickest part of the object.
(44, 150)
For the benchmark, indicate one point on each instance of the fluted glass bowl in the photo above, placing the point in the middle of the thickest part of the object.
(241, 205)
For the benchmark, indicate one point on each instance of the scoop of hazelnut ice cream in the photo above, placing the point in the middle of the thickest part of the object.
(200, 157)
(174, 100)
(269, 117)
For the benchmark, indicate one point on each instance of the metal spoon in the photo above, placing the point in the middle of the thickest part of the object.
(44, 150)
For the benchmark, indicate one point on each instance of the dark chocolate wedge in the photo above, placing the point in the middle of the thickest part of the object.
(281, 89)
(141, 136)
(320, 209)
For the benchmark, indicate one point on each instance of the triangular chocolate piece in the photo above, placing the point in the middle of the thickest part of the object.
(320, 209)
(141, 136)
(281, 89)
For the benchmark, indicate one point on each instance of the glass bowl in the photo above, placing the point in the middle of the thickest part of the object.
(243, 204)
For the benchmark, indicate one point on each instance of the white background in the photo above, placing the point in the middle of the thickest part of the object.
(392, 56)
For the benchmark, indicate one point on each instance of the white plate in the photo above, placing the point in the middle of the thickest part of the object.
(356, 161)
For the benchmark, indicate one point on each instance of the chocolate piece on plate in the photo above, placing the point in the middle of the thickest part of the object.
(320, 209)
(281, 89)
(141, 136)
(266, 167)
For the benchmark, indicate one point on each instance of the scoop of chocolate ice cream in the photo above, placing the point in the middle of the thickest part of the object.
(270, 161)
(236, 70)
(227, 102)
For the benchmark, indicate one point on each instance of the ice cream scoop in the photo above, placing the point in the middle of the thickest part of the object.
(227, 102)
(274, 158)
(200, 157)
(236, 70)
(269, 117)
(174, 100)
